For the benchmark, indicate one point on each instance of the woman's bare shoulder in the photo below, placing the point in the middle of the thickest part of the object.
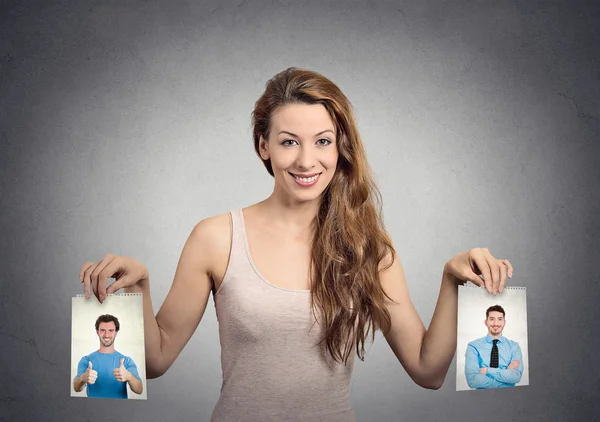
(212, 231)
(213, 236)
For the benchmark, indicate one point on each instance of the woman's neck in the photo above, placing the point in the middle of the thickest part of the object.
(291, 217)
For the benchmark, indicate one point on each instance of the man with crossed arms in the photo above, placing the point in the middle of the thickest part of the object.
(107, 372)
(493, 361)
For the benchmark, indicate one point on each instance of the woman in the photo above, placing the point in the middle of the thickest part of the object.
(302, 278)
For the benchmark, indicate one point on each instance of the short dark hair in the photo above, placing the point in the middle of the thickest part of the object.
(496, 308)
(107, 318)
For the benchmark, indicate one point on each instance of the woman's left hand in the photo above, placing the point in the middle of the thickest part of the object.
(469, 266)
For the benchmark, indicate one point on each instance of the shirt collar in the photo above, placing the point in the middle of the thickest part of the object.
(490, 339)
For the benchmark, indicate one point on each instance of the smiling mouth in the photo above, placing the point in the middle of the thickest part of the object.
(306, 178)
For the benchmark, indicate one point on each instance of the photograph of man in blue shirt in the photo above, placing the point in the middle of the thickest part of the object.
(493, 361)
(106, 372)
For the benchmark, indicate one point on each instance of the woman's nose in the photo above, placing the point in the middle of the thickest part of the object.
(306, 158)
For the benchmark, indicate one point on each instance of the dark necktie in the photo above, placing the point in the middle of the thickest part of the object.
(494, 356)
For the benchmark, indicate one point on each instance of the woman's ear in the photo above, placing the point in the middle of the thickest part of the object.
(263, 148)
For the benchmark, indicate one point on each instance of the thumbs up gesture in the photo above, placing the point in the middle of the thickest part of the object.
(89, 376)
(121, 374)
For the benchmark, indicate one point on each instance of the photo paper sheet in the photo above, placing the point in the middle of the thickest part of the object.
(107, 347)
(492, 350)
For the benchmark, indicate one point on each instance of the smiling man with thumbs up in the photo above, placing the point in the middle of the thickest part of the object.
(106, 372)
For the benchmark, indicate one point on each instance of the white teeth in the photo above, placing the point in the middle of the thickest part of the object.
(307, 179)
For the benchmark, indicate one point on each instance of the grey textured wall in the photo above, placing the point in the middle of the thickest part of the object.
(123, 123)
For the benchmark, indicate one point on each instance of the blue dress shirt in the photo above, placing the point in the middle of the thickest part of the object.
(478, 356)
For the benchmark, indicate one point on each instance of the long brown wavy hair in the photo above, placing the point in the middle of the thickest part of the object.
(349, 242)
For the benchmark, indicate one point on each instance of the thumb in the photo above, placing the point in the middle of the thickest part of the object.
(122, 360)
(474, 278)
(90, 364)
(124, 281)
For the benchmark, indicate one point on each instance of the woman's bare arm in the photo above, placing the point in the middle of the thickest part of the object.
(168, 332)
(426, 354)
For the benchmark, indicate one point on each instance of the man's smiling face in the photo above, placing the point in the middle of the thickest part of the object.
(495, 323)
(107, 333)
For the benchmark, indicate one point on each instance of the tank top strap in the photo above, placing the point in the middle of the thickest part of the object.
(239, 255)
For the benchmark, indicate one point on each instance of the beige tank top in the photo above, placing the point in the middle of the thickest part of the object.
(273, 369)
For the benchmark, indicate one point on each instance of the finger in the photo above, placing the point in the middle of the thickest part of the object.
(86, 286)
(113, 269)
(99, 277)
(509, 267)
(122, 282)
(122, 360)
(503, 273)
(87, 281)
(494, 271)
(117, 285)
(84, 267)
(94, 274)
(473, 278)
(479, 259)
(90, 364)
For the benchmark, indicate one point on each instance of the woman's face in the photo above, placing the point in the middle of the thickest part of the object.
(302, 149)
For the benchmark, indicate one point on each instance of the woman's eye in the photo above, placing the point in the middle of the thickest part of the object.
(287, 142)
(324, 141)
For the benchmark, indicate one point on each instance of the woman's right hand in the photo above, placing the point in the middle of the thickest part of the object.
(126, 271)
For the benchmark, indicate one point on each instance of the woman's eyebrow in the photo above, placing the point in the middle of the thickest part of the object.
(293, 134)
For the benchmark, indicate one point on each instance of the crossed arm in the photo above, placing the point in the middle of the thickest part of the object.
(493, 377)
(509, 375)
